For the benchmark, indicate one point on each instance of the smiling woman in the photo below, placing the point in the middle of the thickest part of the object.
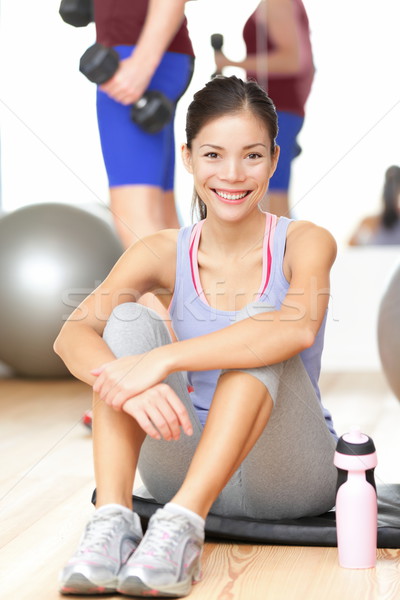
(240, 279)
(238, 147)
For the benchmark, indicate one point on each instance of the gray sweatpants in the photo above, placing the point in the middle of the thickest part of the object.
(289, 473)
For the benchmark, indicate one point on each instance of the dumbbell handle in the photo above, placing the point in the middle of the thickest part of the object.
(151, 112)
(217, 41)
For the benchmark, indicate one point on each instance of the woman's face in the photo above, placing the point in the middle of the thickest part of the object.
(231, 163)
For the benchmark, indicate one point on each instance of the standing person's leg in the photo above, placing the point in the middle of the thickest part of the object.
(170, 214)
(142, 209)
(277, 203)
(140, 165)
(171, 218)
(137, 211)
(277, 200)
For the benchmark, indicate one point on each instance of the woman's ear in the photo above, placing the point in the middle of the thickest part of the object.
(275, 158)
(187, 158)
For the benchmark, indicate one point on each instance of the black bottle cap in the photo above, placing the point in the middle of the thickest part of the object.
(350, 448)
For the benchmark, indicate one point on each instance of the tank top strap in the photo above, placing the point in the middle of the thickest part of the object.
(183, 267)
(280, 241)
(268, 245)
(193, 250)
(269, 234)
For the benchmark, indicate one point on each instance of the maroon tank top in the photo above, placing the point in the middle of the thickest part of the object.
(289, 93)
(120, 22)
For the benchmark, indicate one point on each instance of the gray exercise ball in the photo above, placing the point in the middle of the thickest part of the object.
(51, 257)
(389, 332)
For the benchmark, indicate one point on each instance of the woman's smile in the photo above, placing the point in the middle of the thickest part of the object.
(232, 196)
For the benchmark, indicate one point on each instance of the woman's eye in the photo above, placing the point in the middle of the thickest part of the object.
(254, 155)
(211, 155)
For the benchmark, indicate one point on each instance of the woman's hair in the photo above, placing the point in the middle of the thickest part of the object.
(390, 197)
(226, 96)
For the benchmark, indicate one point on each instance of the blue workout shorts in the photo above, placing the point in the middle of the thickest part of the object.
(132, 156)
(289, 128)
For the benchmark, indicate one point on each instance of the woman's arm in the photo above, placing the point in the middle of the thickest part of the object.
(148, 265)
(163, 19)
(265, 339)
(285, 59)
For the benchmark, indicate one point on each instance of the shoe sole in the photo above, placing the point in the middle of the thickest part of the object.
(134, 586)
(79, 585)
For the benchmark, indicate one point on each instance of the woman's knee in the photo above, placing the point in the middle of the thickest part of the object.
(265, 378)
(133, 329)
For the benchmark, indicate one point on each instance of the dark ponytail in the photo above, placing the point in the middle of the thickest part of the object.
(391, 195)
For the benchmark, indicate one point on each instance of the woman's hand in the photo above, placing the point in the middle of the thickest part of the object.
(129, 82)
(126, 377)
(132, 384)
(159, 412)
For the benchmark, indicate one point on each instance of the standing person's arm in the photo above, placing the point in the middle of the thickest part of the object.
(164, 18)
(285, 59)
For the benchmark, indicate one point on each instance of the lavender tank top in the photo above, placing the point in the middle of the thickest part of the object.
(192, 315)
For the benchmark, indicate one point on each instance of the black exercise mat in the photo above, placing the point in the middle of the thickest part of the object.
(307, 531)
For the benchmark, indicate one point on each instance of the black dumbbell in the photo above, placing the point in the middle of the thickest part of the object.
(151, 112)
(78, 13)
(217, 41)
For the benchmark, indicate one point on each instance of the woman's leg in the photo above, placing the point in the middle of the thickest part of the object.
(236, 468)
(267, 426)
(232, 428)
(275, 450)
(114, 531)
(266, 463)
(117, 439)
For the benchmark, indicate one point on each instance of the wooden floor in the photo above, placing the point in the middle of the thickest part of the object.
(46, 482)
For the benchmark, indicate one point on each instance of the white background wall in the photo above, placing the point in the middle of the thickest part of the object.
(50, 147)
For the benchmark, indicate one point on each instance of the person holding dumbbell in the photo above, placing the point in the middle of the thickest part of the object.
(279, 57)
(143, 61)
(154, 52)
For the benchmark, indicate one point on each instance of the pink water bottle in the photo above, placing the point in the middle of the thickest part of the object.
(356, 501)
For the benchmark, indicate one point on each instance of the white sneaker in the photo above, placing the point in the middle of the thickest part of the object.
(108, 541)
(167, 561)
